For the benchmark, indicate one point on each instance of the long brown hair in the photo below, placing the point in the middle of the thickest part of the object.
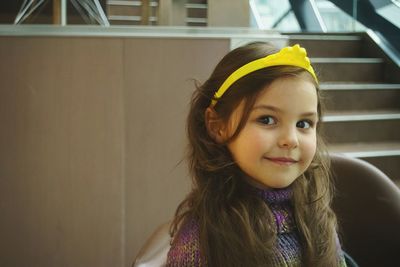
(235, 227)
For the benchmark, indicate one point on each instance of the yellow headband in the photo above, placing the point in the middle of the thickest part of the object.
(292, 56)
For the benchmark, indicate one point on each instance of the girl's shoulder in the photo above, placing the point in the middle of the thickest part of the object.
(340, 252)
(185, 246)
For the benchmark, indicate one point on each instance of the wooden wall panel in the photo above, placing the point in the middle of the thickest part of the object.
(61, 162)
(157, 94)
(91, 132)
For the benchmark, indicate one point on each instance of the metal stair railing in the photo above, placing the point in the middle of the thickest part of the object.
(93, 10)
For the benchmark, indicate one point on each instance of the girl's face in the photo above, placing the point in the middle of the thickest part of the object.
(278, 142)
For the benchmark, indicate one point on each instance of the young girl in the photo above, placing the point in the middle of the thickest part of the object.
(261, 188)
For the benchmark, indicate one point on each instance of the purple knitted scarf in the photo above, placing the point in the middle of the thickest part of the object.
(185, 250)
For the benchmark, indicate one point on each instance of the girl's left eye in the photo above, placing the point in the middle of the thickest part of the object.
(304, 124)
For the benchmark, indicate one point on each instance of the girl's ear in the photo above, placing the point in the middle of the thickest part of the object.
(215, 126)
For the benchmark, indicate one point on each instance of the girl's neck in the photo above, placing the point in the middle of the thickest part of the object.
(276, 195)
(270, 195)
(255, 183)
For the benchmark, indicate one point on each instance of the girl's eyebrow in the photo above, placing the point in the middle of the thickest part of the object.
(276, 109)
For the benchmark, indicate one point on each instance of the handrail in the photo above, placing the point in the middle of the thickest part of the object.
(256, 15)
(367, 15)
(386, 47)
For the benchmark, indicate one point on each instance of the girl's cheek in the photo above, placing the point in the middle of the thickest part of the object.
(260, 137)
(310, 146)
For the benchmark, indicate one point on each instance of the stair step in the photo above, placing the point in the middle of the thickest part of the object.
(124, 11)
(361, 96)
(366, 70)
(351, 60)
(348, 116)
(359, 86)
(129, 12)
(367, 150)
(329, 45)
(196, 13)
(385, 156)
(325, 37)
(196, 6)
(129, 3)
(204, 2)
(129, 18)
(368, 128)
(196, 20)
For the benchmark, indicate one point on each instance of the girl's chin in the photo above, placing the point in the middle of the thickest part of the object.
(260, 185)
(256, 183)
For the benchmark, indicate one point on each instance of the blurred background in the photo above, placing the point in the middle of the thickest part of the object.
(94, 96)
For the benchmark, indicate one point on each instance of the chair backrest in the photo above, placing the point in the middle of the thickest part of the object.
(155, 250)
(367, 204)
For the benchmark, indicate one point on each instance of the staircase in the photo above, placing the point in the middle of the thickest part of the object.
(128, 12)
(196, 12)
(360, 83)
(362, 90)
(147, 12)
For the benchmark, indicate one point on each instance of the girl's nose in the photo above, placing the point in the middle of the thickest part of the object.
(288, 138)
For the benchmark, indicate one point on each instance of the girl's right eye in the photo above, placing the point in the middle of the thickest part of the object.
(267, 120)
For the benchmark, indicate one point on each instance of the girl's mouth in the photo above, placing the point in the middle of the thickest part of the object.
(282, 160)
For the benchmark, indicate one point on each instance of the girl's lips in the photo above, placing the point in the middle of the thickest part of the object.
(282, 161)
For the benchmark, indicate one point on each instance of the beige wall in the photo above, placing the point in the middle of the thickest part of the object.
(172, 12)
(228, 13)
(91, 132)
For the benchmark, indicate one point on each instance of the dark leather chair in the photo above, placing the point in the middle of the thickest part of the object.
(367, 204)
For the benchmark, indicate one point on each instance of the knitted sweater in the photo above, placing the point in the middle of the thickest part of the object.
(185, 249)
